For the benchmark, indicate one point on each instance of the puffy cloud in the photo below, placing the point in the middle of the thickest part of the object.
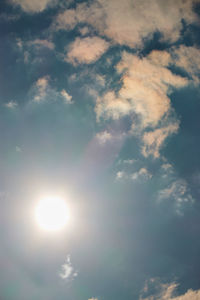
(129, 161)
(187, 58)
(68, 270)
(167, 291)
(67, 98)
(120, 175)
(86, 50)
(153, 140)
(33, 6)
(11, 104)
(144, 91)
(146, 85)
(103, 137)
(41, 89)
(189, 295)
(143, 173)
(93, 299)
(177, 191)
(129, 23)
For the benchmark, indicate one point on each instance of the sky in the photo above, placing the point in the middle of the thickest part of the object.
(99, 105)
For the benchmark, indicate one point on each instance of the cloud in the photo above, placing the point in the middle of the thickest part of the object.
(11, 104)
(153, 140)
(86, 50)
(187, 58)
(42, 43)
(167, 291)
(145, 88)
(93, 299)
(177, 191)
(144, 91)
(67, 98)
(33, 6)
(68, 270)
(129, 161)
(120, 175)
(41, 89)
(143, 174)
(103, 137)
(130, 23)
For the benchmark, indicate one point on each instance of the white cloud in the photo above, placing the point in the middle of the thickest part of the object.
(86, 50)
(93, 299)
(11, 104)
(146, 85)
(33, 6)
(129, 23)
(129, 161)
(153, 140)
(68, 270)
(67, 98)
(103, 137)
(166, 166)
(84, 30)
(187, 58)
(41, 89)
(167, 292)
(142, 174)
(144, 91)
(177, 191)
(120, 175)
(42, 43)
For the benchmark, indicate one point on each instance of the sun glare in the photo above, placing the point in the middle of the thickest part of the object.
(52, 213)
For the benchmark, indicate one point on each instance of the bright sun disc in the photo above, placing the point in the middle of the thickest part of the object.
(51, 213)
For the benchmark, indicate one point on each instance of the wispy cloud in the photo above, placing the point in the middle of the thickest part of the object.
(11, 104)
(141, 175)
(165, 291)
(68, 271)
(86, 50)
(42, 43)
(153, 140)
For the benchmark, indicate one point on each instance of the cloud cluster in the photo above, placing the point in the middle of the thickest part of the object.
(86, 50)
(42, 91)
(33, 6)
(146, 82)
(142, 175)
(145, 88)
(167, 291)
(131, 22)
(177, 191)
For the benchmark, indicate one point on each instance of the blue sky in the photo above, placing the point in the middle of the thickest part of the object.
(99, 103)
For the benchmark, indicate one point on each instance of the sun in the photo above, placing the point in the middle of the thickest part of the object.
(51, 213)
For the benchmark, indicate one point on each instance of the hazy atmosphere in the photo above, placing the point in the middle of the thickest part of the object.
(99, 152)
